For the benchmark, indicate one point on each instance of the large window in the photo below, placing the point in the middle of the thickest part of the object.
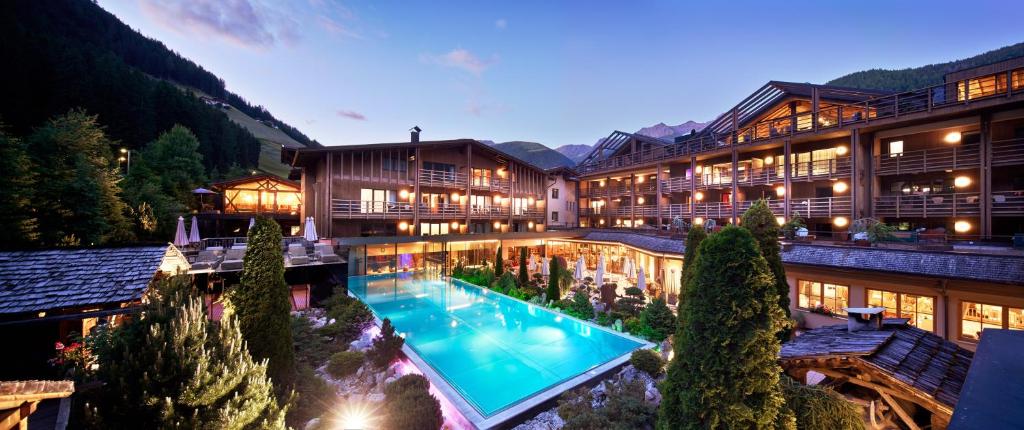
(813, 294)
(481, 177)
(375, 201)
(975, 317)
(920, 310)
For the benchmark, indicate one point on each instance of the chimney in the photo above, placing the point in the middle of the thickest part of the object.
(414, 134)
(867, 319)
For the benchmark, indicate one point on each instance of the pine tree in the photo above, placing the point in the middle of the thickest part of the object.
(263, 304)
(694, 237)
(172, 368)
(18, 225)
(499, 263)
(554, 271)
(524, 275)
(761, 222)
(386, 347)
(725, 374)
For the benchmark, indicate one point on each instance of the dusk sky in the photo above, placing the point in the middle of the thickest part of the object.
(551, 72)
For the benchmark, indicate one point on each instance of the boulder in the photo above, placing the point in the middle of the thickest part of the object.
(312, 424)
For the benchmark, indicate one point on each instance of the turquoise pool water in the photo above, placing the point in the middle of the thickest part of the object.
(496, 351)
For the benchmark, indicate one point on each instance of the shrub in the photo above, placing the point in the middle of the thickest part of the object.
(625, 409)
(575, 408)
(524, 275)
(345, 363)
(633, 303)
(790, 227)
(648, 361)
(351, 318)
(499, 263)
(314, 398)
(386, 347)
(657, 320)
(311, 347)
(816, 407)
(410, 406)
(605, 319)
(728, 345)
(632, 325)
(505, 283)
(580, 307)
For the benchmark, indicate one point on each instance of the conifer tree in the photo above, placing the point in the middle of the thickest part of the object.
(499, 263)
(725, 374)
(524, 275)
(694, 237)
(263, 304)
(18, 226)
(761, 222)
(172, 368)
(554, 271)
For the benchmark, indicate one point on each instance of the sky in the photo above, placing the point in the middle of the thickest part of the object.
(554, 72)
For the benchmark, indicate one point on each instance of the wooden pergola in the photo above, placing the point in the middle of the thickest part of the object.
(19, 399)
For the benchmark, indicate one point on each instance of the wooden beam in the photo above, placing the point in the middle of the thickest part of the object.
(899, 411)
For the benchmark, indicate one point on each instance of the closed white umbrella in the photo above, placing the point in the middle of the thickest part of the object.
(309, 232)
(193, 233)
(180, 238)
(252, 222)
(544, 267)
(641, 283)
(599, 276)
(629, 268)
(580, 268)
(532, 266)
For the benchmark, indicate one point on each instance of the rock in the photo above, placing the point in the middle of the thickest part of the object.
(312, 424)
(652, 395)
(361, 371)
(630, 374)
(547, 420)
(394, 368)
(390, 379)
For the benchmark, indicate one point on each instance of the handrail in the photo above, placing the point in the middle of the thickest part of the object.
(1008, 152)
(821, 207)
(1008, 203)
(446, 210)
(442, 178)
(929, 204)
(929, 160)
(927, 99)
(370, 209)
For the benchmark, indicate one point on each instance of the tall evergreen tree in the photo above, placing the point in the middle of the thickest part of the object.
(77, 191)
(163, 176)
(18, 226)
(172, 368)
(761, 222)
(499, 263)
(554, 272)
(694, 237)
(725, 373)
(263, 304)
(524, 275)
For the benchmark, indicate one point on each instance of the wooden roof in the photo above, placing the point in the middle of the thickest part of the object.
(15, 393)
(228, 183)
(300, 156)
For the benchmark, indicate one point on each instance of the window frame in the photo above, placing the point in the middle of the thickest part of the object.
(1004, 319)
(899, 304)
(821, 294)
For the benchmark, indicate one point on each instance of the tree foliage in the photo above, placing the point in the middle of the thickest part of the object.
(262, 301)
(172, 368)
(820, 408)
(163, 176)
(920, 77)
(725, 374)
(410, 406)
(524, 275)
(762, 224)
(18, 224)
(386, 347)
(693, 239)
(657, 321)
(499, 262)
(554, 293)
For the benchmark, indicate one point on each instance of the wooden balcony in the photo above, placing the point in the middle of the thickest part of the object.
(595, 192)
(838, 167)
(1008, 203)
(437, 178)
(528, 213)
(764, 176)
(720, 181)
(929, 160)
(445, 211)
(929, 205)
(676, 210)
(593, 212)
(675, 185)
(493, 184)
(1008, 152)
(359, 209)
(713, 210)
(820, 207)
(486, 212)
(647, 187)
(777, 206)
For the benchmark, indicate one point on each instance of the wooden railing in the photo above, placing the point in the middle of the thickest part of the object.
(490, 184)
(832, 168)
(438, 178)
(370, 209)
(1007, 203)
(929, 99)
(488, 211)
(820, 207)
(672, 211)
(777, 206)
(928, 205)
(722, 180)
(593, 211)
(595, 192)
(443, 211)
(929, 160)
(1009, 152)
(676, 184)
(762, 176)
(528, 213)
(713, 210)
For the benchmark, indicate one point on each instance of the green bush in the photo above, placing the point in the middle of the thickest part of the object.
(505, 283)
(647, 360)
(410, 406)
(818, 407)
(554, 271)
(499, 262)
(625, 409)
(575, 408)
(345, 363)
(632, 304)
(657, 321)
(386, 347)
(314, 399)
(351, 318)
(580, 307)
(632, 325)
(605, 319)
(524, 274)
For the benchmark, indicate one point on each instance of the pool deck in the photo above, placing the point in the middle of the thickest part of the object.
(509, 414)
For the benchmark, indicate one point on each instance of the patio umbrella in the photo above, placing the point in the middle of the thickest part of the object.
(628, 268)
(599, 275)
(580, 267)
(252, 222)
(180, 238)
(533, 263)
(309, 231)
(544, 267)
(193, 233)
(641, 283)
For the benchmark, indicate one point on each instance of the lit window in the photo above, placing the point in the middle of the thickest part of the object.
(895, 148)
(976, 317)
(920, 310)
(814, 294)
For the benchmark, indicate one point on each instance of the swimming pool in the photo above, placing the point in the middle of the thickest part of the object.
(494, 350)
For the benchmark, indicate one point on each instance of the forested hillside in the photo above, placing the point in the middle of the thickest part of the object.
(919, 77)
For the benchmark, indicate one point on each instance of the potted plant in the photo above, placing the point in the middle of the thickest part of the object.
(870, 231)
(790, 228)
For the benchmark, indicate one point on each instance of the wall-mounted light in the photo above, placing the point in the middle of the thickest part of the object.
(529, 201)
(953, 137)
(601, 183)
(497, 199)
(497, 225)
(840, 187)
(639, 179)
(769, 160)
(639, 222)
(698, 221)
(780, 191)
(962, 181)
(699, 169)
(618, 221)
(962, 226)
(841, 150)
(602, 221)
(403, 194)
(639, 200)
(455, 225)
(530, 225)
(699, 196)
(403, 226)
(455, 197)
(780, 219)
(840, 221)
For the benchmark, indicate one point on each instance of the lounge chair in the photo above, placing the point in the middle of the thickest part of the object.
(297, 255)
(207, 259)
(326, 253)
(233, 259)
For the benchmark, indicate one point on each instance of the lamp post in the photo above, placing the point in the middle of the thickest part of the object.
(126, 156)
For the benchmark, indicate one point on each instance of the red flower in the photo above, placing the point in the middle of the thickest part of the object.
(58, 346)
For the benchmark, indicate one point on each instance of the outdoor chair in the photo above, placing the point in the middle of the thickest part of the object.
(297, 255)
(207, 259)
(233, 259)
(326, 253)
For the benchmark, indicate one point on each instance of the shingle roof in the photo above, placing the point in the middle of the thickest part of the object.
(913, 356)
(651, 243)
(1008, 269)
(50, 279)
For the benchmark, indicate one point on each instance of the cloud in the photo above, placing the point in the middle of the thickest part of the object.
(243, 22)
(351, 114)
(460, 59)
(501, 24)
(334, 27)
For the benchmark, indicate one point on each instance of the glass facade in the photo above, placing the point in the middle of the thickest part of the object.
(813, 294)
(920, 310)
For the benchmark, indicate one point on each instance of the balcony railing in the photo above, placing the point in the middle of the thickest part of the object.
(676, 184)
(928, 205)
(598, 192)
(593, 211)
(929, 99)
(832, 168)
(675, 210)
(820, 207)
(443, 211)
(488, 211)
(490, 184)
(1007, 203)
(929, 160)
(721, 180)
(528, 213)
(438, 178)
(370, 209)
(777, 206)
(713, 210)
(1009, 152)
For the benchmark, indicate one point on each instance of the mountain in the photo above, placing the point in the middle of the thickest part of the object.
(919, 77)
(576, 153)
(533, 152)
(661, 130)
(73, 54)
